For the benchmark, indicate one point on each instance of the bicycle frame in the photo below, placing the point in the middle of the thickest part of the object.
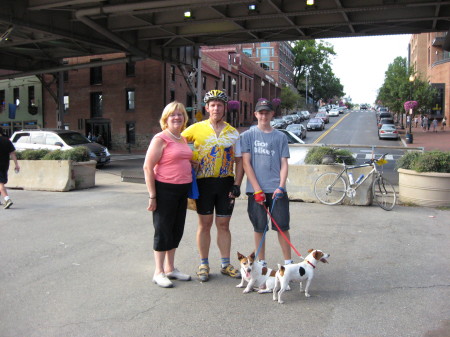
(349, 168)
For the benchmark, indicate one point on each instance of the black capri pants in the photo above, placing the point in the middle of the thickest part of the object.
(170, 215)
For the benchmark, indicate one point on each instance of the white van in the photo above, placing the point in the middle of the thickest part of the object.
(59, 140)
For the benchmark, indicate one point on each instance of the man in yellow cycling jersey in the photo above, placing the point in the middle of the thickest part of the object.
(217, 150)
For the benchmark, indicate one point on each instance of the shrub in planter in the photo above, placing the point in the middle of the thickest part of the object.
(316, 155)
(31, 154)
(78, 154)
(432, 161)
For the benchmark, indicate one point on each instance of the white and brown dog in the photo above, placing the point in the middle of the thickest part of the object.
(298, 272)
(257, 276)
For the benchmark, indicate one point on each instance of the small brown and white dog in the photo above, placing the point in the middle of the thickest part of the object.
(257, 276)
(298, 272)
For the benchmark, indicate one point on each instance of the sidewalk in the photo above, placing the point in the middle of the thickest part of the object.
(429, 140)
(80, 264)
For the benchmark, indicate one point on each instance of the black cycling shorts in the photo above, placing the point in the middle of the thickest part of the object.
(3, 175)
(214, 195)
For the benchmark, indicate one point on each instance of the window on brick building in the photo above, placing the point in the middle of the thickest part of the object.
(130, 99)
(131, 132)
(96, 73)
(248, 51)
(96, 104)
(130, 69)
(16, 96)
(66, 103)
(217, 85)
(172, 95)
(172, 73)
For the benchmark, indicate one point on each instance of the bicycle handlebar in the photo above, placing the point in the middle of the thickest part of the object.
(371, 161)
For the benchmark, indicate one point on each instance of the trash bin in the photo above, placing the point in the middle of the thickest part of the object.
(409, 138)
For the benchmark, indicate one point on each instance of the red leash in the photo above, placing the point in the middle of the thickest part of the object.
(281, 232)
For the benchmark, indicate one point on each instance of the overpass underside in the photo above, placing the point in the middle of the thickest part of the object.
(36, 35)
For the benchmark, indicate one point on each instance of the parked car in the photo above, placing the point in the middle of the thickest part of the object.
(342, 109)
(388, 131)
(289, 119)
(323, 109)
(334, 112)
(305, 113)
(384, 115)
(298, 129)
(292, 138)
(296, 118)
(385, 121)
(278, 123)
(59, 140)
(315, 124)
(323, 116)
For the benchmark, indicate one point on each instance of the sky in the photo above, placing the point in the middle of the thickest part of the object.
(361, 62)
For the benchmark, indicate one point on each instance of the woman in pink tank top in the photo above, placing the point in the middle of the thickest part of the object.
(167, 170)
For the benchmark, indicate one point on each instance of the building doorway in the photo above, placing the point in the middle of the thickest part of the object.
(100, 126)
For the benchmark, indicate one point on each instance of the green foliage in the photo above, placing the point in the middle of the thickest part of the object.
(289, 98)
(433, 161)
(31, 154)
(313, 59)
(78, 154)
(316, 154)
(54, 155)
(397, 88)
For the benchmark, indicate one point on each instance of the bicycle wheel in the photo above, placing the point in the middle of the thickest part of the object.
(384, 193)
(330, 188)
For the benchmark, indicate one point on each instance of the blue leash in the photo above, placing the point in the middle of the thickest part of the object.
(265, 231)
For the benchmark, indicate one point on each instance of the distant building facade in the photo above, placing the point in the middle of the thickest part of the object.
(432, 63)
(21, 104)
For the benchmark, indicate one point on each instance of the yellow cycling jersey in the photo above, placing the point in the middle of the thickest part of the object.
(214, 154)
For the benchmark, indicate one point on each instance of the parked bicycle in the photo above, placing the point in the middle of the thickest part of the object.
(331, 188)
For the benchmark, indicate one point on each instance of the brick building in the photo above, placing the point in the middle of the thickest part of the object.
(124, 101)
(432, 63)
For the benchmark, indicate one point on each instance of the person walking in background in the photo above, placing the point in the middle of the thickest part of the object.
(167, 169)
(428, 123)
(416, 121)
(265, 154)
(435, 124)
(408, 120)
(7, 152)
(424, 123)
(217, 150)
(443, 123)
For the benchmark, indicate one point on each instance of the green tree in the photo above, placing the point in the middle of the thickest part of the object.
(395, 90)
(312, 59)
(289, 98)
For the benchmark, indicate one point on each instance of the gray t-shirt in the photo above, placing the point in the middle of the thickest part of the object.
(266, 150)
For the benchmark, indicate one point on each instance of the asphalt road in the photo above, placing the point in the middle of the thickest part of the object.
(80, 264)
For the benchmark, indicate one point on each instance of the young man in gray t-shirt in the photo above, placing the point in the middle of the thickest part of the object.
(265, 154)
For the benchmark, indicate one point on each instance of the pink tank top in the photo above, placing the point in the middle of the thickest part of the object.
(174, 167)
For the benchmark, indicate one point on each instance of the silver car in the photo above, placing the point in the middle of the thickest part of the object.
(59, 140)
(388, 131)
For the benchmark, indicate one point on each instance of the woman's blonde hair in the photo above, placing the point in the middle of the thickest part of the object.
(169, 109)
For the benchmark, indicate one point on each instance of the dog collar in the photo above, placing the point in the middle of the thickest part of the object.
(311, 264)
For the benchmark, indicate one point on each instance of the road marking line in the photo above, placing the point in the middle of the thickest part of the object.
(332, 127)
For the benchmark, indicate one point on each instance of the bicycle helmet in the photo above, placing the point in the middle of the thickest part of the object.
(215, 95)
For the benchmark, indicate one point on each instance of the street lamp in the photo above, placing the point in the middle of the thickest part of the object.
(262, 86)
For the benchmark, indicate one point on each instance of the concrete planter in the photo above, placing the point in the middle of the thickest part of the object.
(52, 175)
(424, 189)
(301, 179)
